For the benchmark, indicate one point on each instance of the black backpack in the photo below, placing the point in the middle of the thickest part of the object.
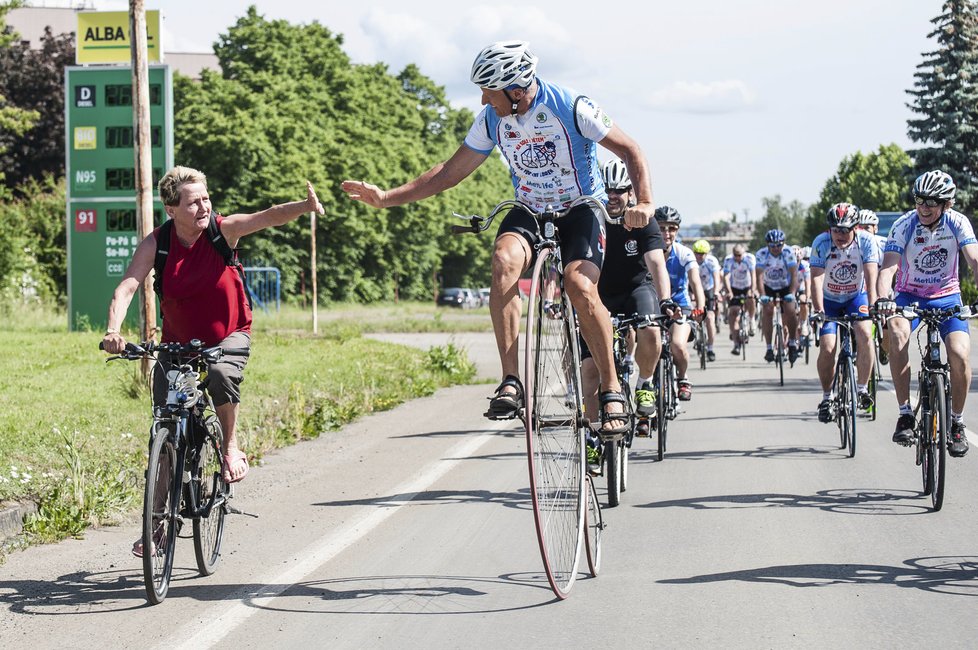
(217, 240)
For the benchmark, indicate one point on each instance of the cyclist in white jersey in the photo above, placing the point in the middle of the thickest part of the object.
(776, 277)
(547, 135)
(738, 283)
(804, 292)
(845, 263)
(710, 279)
(870, 222)
(922, 251)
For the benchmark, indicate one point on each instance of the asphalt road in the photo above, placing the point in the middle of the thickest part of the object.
(413, 527)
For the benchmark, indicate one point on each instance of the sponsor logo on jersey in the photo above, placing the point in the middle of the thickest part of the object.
(631, 248)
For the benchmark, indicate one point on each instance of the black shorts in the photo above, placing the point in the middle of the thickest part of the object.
(711, 299)
(776, 293)
(739, 296)
(641, 300)
(581, 233)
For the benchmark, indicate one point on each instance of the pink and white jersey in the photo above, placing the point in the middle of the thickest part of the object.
(929, 257)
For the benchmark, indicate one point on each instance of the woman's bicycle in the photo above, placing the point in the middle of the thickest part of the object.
(933, 405)
(553, 411)
(844, 380)
(184, 476)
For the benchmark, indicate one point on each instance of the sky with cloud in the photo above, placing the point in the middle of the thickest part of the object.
(731, 101)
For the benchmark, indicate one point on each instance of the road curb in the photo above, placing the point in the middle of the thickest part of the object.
(12, 518)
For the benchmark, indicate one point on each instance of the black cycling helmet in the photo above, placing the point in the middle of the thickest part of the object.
(665, 214)
(842, 215)
(774, 236)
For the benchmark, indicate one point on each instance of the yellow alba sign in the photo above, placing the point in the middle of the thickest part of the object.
(103, 37)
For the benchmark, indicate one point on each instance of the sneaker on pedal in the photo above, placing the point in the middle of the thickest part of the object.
(957, 442)
(736, 350)
(905, 428)
(645, 400)
(792, 354)
(685, 392)
(769, 355)
(711, 355)
(884, 357)
(825, 414)
(864, 401)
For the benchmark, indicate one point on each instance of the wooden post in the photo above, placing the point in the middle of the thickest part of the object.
(143, 160)
(315, 291)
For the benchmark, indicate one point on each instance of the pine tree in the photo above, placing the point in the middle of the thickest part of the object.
(946, 98)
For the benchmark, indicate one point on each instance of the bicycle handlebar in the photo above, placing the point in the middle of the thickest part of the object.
(479, 224)
(195, 348)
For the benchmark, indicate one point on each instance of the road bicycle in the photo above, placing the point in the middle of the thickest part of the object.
(553, 414)
(186, 442)
(844, 379)
(700, 338)
(614, 453)
(743, 328)
(933, 404)
(666, 384)
(876, 376)
(777, 336)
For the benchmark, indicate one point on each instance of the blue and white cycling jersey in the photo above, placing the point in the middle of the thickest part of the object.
(929, 258)
(844, 278)
(777, 270)
(804, 272)
(708, 268)
(741, 271)
(881, 245)
(550, 149)
(679, 262)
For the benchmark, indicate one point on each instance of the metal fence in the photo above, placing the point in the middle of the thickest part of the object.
(264, 283)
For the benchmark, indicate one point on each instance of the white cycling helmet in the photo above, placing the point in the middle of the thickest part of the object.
(615, 175)
(868, 218)
(503, 65)
(934, 185)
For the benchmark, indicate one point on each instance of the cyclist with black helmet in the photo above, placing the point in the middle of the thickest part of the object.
(632, 279)
(710, 279)
(684, 276)
(548, 135)
(922, 252)
(845, 262)
(777, 278)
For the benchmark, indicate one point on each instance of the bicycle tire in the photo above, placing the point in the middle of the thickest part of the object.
(662, 405)
(874, 379)
(554, 435)
(808, 348)
(839, 389)
(701, 340)
(612, 471)
(624, 466)
(938, 437)
(207, 480)
(161, 499)
(778, 347)
(924, 454)
(594, 525)
(850, 406)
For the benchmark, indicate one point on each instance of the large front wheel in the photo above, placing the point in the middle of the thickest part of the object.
(554, 432)
(161, 524)
(207, 481)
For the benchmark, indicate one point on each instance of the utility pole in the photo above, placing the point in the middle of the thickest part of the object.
(315, 292)
(143, 161)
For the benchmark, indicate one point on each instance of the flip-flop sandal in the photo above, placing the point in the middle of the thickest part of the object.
(229, 461)
(506, 406)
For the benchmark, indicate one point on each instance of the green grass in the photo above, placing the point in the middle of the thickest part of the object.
(73, 429)
(400, 317)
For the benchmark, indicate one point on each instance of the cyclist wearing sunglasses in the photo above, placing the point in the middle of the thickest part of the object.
(777, 277)
(922, 252)
(845, 263)
(738, 284)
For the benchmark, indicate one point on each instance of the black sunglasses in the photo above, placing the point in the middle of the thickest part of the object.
(841, 230)
(928, 201)
(613, 190)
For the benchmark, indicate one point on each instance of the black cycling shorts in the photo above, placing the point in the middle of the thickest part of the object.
(641, 300)
(739, 296)
(581, 233)
(779, 293)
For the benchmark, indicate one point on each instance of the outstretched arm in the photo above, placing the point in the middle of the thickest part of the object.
(237, 226)
(439, 178)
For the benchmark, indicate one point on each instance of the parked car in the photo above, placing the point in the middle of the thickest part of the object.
(484, 296)
(458, 297)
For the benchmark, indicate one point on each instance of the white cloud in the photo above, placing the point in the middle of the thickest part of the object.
(728, 96)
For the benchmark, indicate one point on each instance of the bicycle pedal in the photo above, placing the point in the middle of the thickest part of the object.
(234, 511)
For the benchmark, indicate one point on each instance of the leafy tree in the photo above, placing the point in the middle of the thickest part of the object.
(14, 120)
(945, 96)
(33, 260)
(879, 181)
(33, 81)
(787, 217)
(289, 105)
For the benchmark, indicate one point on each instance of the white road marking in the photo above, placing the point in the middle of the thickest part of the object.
(225, 619)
